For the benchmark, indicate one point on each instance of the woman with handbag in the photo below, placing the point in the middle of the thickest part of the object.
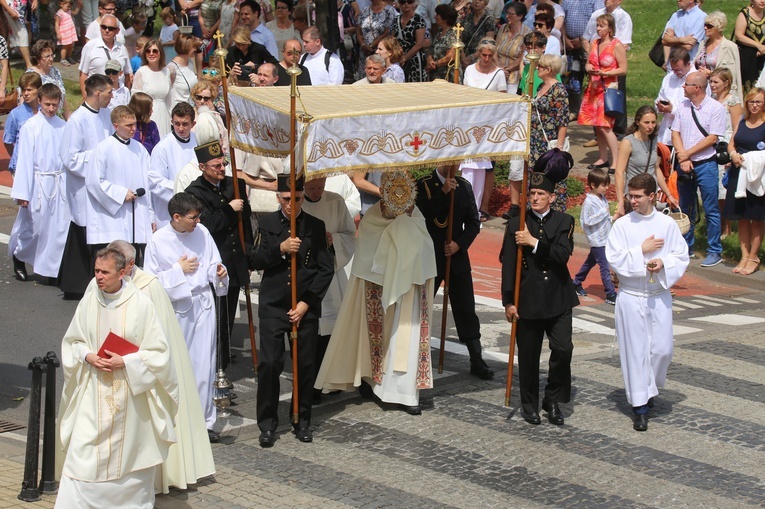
(720, 82)
(549, 120)
(478, 25)
(750, 210)
(487, 75)
(607, 61)
(637, 154)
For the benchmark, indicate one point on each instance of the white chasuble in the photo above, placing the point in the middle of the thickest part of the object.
(643, 311)
(382, 333)
(38, 235)
(114, 424)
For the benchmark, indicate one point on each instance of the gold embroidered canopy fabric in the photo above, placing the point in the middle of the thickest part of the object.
(405, 125)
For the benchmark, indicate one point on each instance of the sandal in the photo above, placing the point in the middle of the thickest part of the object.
(484, 216)
(749, 272)
(740, 266)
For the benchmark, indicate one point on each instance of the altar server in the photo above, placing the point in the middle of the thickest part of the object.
(38, 188)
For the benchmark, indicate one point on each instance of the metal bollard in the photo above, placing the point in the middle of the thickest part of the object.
(29, 490)
(48, 482)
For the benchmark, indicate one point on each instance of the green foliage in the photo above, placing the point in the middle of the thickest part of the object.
(575, 187)
(648, 19)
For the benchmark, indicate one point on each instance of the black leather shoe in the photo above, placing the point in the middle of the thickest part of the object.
(366, 390)
(651, 402)
(554, 415)
(304, 435)
(641, 423)
(481, 370)
(412, 410)
(531, 417)
(267, 438)
(213, 436)
(19, 269)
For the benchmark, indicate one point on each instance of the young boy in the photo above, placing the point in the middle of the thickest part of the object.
(39, 189)
(120, 93)
(535, 43)
(29, 83)
(596, 223)
(140, 43)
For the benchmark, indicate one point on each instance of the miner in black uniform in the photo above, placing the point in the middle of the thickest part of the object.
(547, 298)
(315, 269)
(220, 216)
(433, 202)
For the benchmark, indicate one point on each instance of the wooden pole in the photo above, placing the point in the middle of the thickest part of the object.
(458, 45)
(533, 59)
(221, 52)
(294, 72)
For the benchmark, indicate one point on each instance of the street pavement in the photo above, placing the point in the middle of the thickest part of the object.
(704, 446)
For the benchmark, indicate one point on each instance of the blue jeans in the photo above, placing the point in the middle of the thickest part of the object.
(597, 256)
(706, 180)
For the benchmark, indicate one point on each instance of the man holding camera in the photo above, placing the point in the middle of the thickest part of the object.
(698, 124)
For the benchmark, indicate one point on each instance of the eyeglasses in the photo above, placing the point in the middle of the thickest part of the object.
(759, 103)
(152, 51)
(202, 97)
(407, 1)
(708, 25)
(193, 218)
(109, 10)
(46, 56)
(489, 41)
(540, 24)
(108, 28)
(210, 72)
(111, 72)
(636, 196)
(216, 166)
(543, 67)
(691, 85)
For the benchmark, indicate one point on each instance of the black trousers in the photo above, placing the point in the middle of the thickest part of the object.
(462, 302)
(271, 364)
(226, 310)
(321, 349)
(529, 339)
(76, 263)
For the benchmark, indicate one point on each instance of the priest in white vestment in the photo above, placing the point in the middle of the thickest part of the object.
(88, 126)
(119, 204)
(382, 333)
(39, 187)
(115, 419)
(168, 158)
(190, 457)
(341, 238)
(648, 252)
(185, 259)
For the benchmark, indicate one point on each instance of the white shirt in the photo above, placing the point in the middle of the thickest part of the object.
(166, 160)
(623, 26)
(94, 57)
(120, 97)
(317, 68)
(494, 80)
(671, 90)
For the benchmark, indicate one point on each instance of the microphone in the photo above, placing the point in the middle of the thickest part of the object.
(140, 191)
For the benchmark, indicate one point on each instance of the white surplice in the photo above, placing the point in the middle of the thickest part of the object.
(343, 185)
(188, 174)
(37, 237)
(644, 309)
(117, 167)
(332, 210)
(167, 159)
(382, 333)
(190, 457)
(114, 427)
(192, 298)
(83, 132)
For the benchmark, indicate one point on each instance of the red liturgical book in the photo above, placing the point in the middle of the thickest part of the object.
(116, 344)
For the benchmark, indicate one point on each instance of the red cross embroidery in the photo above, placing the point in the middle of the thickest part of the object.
(416, 142)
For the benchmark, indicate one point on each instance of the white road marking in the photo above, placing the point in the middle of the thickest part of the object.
(4, 238)
(707, 303)
(591, 318)
(728, 319)
(679, 330)
(746, 301)
(709, 299)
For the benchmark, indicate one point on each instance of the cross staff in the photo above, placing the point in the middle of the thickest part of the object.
(222, 52)
(294, 71)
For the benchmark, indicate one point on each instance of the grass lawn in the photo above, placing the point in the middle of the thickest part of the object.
(648, 19)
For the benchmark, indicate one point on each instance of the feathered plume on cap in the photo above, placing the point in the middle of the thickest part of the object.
(555, 164)
(206, 130)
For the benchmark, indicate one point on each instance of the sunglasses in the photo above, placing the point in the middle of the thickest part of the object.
(489, 41)
(540, 25)
(210, 72)
(110, 72)
(298, 199)
(407, 1)
(108, 28)
(202, 97)
(152, 51)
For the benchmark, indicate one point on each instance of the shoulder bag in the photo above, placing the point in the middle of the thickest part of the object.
(721, 148)
(12, 98)
(613, 97)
